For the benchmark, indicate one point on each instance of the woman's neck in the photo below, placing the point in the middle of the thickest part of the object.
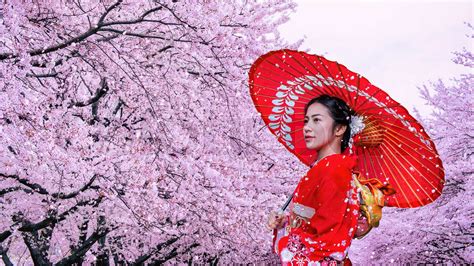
(321, 155)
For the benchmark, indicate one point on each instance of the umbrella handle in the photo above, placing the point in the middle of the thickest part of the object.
(283, 208)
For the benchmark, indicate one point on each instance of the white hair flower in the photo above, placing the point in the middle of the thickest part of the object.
(356, 126)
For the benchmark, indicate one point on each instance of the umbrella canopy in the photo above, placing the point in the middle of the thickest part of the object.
(392, 147)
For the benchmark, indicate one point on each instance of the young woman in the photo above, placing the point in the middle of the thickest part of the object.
(324, 211)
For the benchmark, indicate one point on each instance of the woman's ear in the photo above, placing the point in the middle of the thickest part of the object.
(340, 129)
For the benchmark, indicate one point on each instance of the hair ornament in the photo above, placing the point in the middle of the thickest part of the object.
(356, 126)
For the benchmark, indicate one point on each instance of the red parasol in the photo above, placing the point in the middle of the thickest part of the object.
(392, 147)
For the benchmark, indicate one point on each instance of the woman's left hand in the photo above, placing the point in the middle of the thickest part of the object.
(363, 226)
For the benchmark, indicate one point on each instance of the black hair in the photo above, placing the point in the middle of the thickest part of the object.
(339, 111)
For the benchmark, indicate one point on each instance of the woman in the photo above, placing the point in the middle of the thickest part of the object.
(324, 210)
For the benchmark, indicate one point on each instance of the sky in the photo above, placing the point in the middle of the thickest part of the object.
(397, 45)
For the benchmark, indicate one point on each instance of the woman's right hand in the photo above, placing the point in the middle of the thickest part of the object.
(275, 220)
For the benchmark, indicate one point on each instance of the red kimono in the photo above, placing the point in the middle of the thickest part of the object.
(323, 215)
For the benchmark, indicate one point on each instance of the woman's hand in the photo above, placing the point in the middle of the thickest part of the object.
(363, 226)
(275, 220)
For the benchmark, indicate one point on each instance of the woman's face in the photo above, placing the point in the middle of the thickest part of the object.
(318, 127)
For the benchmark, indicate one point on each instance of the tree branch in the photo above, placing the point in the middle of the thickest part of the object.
(91, 31)
(81, 251)
(53, 219)
(6, 260)
(104, 88)
(4, 235)
(35, 187)
(141, 260)
(138, 20)
(173, 254)
(75, 193)
(11, 189)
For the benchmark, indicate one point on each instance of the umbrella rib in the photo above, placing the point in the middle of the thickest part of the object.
(400, 140)
(382, 116)
(290, 66)
(394, 139)
(367, 99)
(273, 96)
(371, 164)
(396, 126)
(414, 193)
(345, 81)
(365, 165)
(273, 74)
(389, 155)
(296, 70)
(434, 174)
(423, 176)
(383, 172)
(361, 109)
(357, 92)
(301, 154)
(397, 135)
(271, 106)
(284, 70)
(320, 90)
(328, 73)
(330, 88)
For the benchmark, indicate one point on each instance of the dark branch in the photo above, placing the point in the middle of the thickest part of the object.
(81, 251)
(5, 235)
(109, 9)
(141, 260)
(91, 31)
(75, 193)
(53, 219)
(11, 189)
(141, 35)
(35, 187)
(41, 190)
(237, 25)
(138, 20)
(177, 17)
(173, 254)
(49, 75)
(6, 260)
(104, 88)
(56, 47)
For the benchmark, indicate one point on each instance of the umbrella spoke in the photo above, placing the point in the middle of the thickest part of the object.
(410, 175)
(379, 155)
(400, 175)
(436, 175)
(331, 89)
(416, 169)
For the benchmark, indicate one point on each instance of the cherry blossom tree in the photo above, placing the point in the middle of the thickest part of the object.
(128, 135)
(442, 231)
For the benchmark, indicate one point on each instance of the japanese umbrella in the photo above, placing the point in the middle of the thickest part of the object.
(392, 148)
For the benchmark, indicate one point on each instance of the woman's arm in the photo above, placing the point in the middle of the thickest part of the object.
(330, 199)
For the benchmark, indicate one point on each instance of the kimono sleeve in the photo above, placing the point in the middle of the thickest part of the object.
(330, 199)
